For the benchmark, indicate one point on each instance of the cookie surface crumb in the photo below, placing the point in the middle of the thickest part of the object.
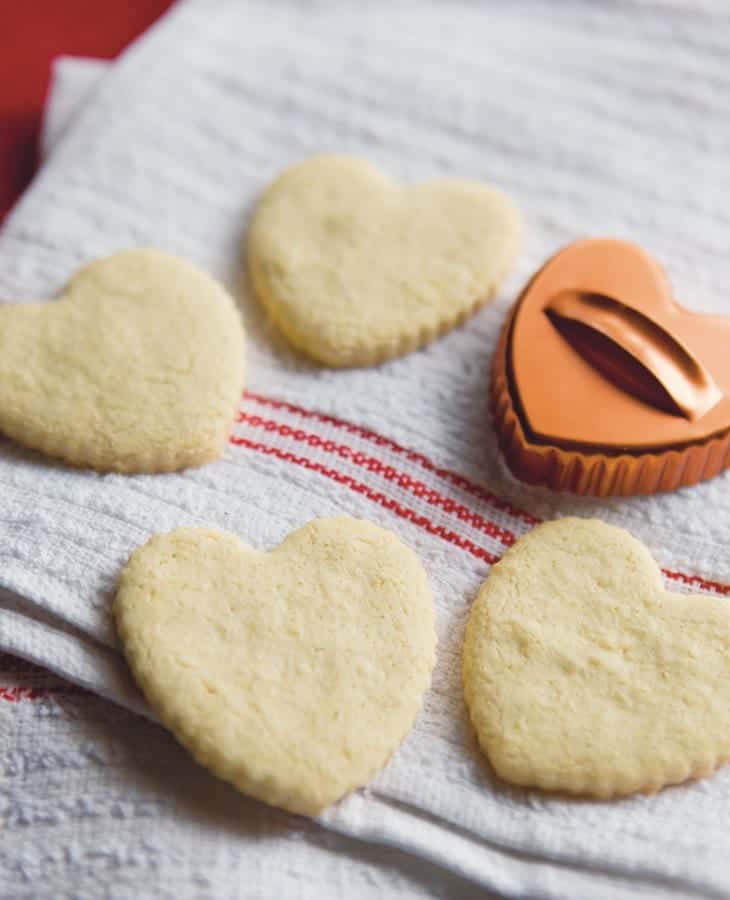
(137, 367)
(355, 268)
(293, 674)
(583, 675)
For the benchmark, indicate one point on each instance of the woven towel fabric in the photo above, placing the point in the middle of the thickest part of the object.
(591, 144)
(31, 35)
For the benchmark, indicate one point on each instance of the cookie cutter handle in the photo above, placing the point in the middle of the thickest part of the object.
(635, 352)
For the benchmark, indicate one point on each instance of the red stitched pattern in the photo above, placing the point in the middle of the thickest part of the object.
(358, 487)
(17, 669)
(378, 467)
(420, 459)
(502, 534)
(17, 693)
(698, 581)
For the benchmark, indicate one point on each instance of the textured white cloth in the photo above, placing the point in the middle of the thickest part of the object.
(600, 121)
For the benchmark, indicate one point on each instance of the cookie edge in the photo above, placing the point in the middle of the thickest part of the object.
(361, 354)
(265, 791)
(531, 778)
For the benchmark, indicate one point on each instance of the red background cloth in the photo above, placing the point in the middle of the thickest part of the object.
(32, 33)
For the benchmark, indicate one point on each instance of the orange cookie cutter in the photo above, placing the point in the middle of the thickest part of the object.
(603, 384)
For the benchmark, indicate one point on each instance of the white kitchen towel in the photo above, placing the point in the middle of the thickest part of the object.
(581, 118)
(73, 80)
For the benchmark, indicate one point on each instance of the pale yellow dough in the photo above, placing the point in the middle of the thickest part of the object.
(293, 674)
(582, 674)
(355, 268)
(137, 367)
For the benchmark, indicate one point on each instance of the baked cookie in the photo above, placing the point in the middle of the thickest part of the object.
(355, 268)
(292, 674)
(137, 367)
(583, 675)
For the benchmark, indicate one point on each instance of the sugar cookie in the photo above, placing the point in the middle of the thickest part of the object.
(355, 268)
(582, 674)
(293, 674)
(137, 367)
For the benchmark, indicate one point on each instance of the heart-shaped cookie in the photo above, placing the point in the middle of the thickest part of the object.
(582, 674)
(138, 367)
(292, 674)
(355, 268)
(603, 384)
